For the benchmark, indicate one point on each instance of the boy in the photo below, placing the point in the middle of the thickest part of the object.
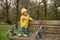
(24, 20)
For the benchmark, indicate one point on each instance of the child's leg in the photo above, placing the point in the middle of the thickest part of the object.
(25, 32)
(21, 31)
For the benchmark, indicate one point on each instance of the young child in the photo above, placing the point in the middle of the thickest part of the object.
(24, 20)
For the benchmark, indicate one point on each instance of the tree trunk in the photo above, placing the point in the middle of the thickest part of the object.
(7, 12)
(55, 4)
(45, 9)
(17, 20)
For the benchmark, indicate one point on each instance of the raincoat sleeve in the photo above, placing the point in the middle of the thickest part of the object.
(30, 18)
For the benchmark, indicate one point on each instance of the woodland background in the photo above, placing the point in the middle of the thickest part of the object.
(38, 10)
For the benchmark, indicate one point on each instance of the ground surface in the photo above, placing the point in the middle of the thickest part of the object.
(3, 31)
(51, 27)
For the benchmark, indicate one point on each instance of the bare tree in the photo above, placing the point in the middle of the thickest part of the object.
(17, 6)
(7, 10)
(45, 9)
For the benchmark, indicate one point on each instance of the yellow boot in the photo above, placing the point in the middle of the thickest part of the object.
(25, 35)
(19, 35)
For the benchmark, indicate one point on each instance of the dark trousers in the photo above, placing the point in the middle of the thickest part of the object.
(23, 30)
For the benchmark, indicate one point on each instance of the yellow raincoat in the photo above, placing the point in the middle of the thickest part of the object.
(24, 20)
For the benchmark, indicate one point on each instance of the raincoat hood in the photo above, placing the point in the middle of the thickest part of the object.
(23, 10)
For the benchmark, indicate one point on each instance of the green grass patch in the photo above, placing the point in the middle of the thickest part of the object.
(3, 31)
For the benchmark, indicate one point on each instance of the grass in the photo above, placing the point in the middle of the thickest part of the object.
(3, 31)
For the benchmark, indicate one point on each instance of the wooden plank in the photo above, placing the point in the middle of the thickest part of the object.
(45, 22)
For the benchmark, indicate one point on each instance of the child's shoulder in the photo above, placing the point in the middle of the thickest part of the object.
(21, 16)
